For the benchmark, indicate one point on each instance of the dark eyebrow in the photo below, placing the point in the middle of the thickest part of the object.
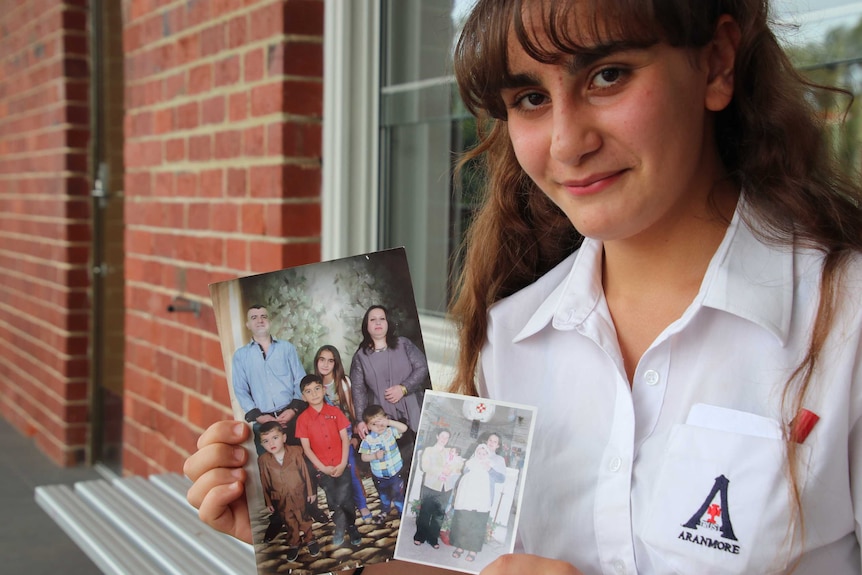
(574, 63)
(592, 54)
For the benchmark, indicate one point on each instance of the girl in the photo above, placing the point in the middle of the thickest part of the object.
(328, 365)
(667, 263)
(711, 306)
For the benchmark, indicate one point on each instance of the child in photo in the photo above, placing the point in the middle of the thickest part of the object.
(286, 489)
(322, 430)
(380, 449)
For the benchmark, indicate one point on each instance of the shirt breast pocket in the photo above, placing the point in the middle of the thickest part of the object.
(721, 503)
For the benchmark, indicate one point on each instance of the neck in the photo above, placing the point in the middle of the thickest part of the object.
(674, 258)
(263, 339)
(649, 282)
(316, 406)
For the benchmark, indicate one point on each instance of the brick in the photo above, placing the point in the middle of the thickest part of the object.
(303, 17)
(227, 71)
(296, 59)
(200, 79)
(236, 182)
(254, 141)
(213, 110)
(303, 98)
(237, 31)
(175, 150)
(211, 183)
(212, 40)
(187, 116)
(294, 220)
(228, 144)
(266, 99)
(200, 148)
(238, 107)
(294, 140)
(267, 21)
(254, 65)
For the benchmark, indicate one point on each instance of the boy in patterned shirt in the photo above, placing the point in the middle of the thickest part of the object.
(380, 449)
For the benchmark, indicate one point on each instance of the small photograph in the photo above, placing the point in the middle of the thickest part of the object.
(466, 482)
(326, 364)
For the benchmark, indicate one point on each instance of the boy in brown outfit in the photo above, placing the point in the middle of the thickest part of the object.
(286, 488)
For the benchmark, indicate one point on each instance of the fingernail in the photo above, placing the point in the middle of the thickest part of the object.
(238, 453)
(237, 429)
(237, 472)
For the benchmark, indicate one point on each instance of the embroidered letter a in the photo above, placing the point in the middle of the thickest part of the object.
(720, 486)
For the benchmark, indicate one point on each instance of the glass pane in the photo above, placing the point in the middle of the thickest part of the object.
(423, 128)
(824, 38)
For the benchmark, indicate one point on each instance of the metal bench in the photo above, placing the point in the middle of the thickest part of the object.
(136, 525)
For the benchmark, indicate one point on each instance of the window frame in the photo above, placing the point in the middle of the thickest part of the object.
(350, 196)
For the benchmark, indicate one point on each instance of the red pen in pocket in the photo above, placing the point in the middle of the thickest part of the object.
(802, 425)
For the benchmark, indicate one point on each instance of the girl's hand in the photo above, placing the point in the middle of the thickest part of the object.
(219, 479)
(338, 470)
(515, 564)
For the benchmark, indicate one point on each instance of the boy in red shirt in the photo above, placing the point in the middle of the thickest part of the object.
(322, 431)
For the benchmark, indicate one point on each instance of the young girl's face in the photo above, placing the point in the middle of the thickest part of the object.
(620, 138)
(325, 363)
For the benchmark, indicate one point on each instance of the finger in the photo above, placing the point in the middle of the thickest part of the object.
(210, 480)
(224, 432)
(225, 509)
(213, 456)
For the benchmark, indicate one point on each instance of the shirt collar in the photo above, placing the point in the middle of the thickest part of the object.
(745, 277)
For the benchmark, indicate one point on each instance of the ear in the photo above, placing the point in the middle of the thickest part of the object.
(720, 56)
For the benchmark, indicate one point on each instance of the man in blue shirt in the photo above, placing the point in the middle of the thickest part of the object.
(266, 375)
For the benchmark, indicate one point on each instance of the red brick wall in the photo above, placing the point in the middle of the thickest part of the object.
(223, 133)
(44, 223)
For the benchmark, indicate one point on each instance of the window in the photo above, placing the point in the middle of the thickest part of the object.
(825, 42)
(411, 127)
(394, 124)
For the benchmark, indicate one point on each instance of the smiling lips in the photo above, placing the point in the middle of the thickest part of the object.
(592, 184)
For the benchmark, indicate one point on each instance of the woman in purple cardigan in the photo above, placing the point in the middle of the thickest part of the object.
(387, 370)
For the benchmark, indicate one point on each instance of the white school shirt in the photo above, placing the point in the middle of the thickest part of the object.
(683, 471)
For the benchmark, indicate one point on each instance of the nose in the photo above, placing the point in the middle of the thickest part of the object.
(574, 135)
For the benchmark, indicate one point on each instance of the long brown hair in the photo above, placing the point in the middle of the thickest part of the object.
(339, 377)
(770, 140)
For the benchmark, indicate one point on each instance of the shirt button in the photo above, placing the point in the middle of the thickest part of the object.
(651, 377)
(615, 464)
(619, 566)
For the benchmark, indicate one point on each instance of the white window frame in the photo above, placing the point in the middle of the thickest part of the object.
(351, 154)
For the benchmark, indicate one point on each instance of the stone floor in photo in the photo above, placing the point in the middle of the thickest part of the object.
(378, 543)
(442, 557)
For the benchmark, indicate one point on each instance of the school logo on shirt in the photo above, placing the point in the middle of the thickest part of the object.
(710, 525)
